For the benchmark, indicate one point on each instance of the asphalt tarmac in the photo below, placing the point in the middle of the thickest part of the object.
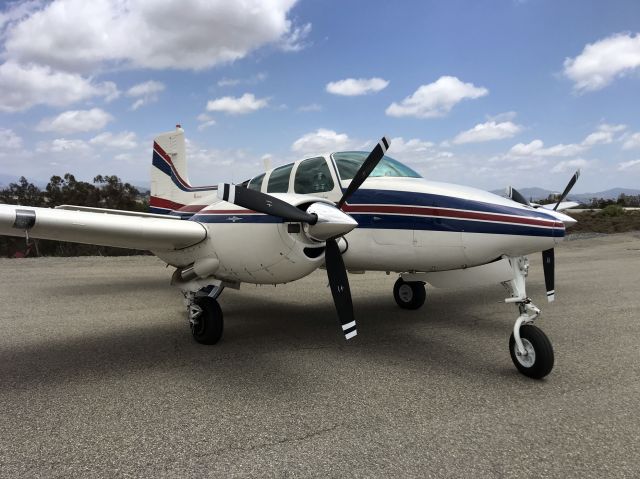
(99, 376)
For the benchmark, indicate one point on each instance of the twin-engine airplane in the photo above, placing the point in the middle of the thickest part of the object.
(343, 211)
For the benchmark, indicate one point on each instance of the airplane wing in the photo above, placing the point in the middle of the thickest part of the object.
(564, 205)
(100, 227)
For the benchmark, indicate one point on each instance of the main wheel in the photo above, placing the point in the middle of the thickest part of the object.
(206, 321)
(538, 362)
(409, 294)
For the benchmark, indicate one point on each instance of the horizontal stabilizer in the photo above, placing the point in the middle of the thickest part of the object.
(100, 228)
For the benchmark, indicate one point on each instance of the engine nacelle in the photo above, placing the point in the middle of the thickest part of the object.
(251, 247)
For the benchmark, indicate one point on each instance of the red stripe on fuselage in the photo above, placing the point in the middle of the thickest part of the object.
(442, 212)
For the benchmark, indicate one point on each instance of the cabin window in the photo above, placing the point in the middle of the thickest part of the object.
(349, 162)
(256, 183)
(279, 179)
(313, 176)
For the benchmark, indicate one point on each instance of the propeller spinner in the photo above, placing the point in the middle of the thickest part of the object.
(321, 222)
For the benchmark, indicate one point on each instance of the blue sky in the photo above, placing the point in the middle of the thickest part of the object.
(483, 93)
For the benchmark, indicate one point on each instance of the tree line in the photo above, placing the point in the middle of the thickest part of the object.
(106, 191)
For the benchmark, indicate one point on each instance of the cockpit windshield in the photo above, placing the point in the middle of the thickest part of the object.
(348, 163)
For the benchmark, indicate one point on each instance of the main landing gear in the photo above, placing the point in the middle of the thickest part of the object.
(409, 294)
(531, 350)
(205, 315)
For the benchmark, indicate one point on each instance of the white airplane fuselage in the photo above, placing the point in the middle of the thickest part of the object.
(404, 224)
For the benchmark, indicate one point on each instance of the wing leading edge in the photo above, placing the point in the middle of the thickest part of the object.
(106, 228)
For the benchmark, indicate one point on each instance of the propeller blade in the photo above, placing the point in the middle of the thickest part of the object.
(548, 265)
(365, 170)
(339, 283)
(566, 191)
(263, 203)
(516, 196)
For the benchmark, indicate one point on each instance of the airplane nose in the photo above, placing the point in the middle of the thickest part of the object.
(331, 222)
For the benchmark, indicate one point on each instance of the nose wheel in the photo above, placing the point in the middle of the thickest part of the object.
(205, 320)
(409, 294)
(536, 361)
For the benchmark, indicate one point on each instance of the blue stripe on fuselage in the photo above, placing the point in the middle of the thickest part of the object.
(403, 222)
(411, 198)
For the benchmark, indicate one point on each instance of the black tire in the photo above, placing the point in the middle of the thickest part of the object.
(543, 360)
(210, 324)
(409, 294)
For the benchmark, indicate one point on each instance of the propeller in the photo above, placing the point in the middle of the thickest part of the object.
(548, 256)
(365, 170)
(566, 191)
(323, 222)
(548, 266)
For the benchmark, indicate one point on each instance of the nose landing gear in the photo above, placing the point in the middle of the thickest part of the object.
(530, 349)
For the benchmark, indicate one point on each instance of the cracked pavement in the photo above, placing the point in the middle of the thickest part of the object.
(99, 376)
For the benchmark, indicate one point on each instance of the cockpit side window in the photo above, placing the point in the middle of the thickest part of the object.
(256, 183)
(313, 176)
(279, 179)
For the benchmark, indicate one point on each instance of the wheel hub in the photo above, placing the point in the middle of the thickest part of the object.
(529, 358)
(405, 292)
(195, 312)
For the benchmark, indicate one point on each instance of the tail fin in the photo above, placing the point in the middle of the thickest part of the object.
(170, 187)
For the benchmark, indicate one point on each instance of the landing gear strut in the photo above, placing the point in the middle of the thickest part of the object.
(530, 349)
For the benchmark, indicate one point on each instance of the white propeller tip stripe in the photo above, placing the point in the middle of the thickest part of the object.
(348, 325)
(382, 143)
(351, 334)
(221, 191)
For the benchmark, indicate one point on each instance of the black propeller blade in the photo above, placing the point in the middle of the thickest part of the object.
(516, 196)
(263, 203)
(548, 265)
(566, 191)
(365, 170)
(339, 283)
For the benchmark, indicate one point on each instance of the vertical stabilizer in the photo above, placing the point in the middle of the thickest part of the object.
(170, 186)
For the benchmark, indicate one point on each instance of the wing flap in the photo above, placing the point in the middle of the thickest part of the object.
(106, 229)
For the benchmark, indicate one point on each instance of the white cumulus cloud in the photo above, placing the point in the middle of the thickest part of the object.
(125, 140)
(536, 148)
(146, 92)
(569, 165)
(247, 103)
(632, 142)
(76, 35)
(74, 121)
(25, 86)
(603, 135)
(205, 121)
(9, 139)
(629, 165)
(322, 140)
(487, 132)
(603, 61)
(436, 99)
(356, 86)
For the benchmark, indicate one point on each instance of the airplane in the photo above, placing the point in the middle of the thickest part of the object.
(342, 211)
